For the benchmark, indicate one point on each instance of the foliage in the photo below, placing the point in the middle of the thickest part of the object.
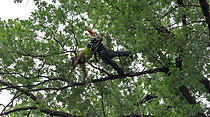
(169, 41)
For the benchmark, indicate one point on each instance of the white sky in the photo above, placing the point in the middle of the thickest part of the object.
(10, 10)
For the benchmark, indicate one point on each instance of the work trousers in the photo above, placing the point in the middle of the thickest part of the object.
(107, 56)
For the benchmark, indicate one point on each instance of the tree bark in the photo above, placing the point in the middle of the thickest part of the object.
(206, 83)
(205, 9)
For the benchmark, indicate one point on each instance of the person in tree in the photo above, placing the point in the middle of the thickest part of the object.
(83, 56)
(106, 54)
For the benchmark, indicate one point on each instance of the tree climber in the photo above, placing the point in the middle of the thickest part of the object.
(107, 54)
(83, 56)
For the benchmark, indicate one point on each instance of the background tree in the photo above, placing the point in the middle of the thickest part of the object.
(169, 40)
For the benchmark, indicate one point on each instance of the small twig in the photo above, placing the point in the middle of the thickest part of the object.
(27, 2)
(17, 109)
(158, 61)
(173, 9)
(41, 56)
(72, 30)
(39, 69)
(137, 97)
(27, 93)
(15, 96)
(28, 113)
(62, 46)
(102, 70)
(12, 74)
(2, 105)
(53, 37)
(102, 101)
(185, 24)
(170, 11)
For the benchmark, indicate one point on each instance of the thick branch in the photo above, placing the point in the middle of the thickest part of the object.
(206, 82)
(58, 113)
(187, 95)
(205, 8)
(137, 116)
(147, 98)
(113, 77)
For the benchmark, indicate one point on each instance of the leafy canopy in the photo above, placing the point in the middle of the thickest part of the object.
(169, 41)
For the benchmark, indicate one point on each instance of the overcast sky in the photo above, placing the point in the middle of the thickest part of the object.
(10, 10)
